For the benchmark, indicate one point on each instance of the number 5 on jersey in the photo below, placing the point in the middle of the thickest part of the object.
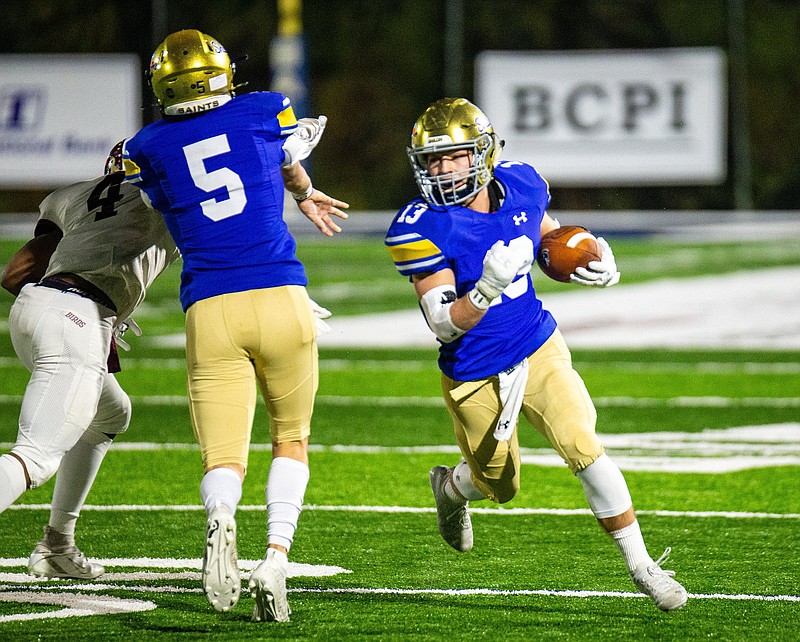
(223, 177)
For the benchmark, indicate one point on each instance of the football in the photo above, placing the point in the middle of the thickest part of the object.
(566, 248)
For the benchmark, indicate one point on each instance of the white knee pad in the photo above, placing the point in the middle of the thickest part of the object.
(113, 414)
(605, 488)
(111, 426)
(40, 467)
(12, 481)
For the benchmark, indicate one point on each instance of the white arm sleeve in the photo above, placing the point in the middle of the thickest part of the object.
(435, 304)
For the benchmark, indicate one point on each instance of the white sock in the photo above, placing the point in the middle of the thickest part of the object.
(286, 487)
(461, 480)
(12, 481)
(74, 478)
(631, 546)
(221, 486)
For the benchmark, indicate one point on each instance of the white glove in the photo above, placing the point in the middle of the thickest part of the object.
(304, 139)
(320, 313)
(598, 274)
(522, 251)
(500, 266)
(124, 326)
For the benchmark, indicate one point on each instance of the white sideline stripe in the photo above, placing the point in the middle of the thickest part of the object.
(416, 365)
(146, 446)
(541, 592)
(712, 451)
(699, 402)
(716, 367)
(395, 591)
(632, 402)
(701, 312)
(503, 512)
(77, 605)
(508, 512)
(438, 402)
(540, 456)
(295, 569)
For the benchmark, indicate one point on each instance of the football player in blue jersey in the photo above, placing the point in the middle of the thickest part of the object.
(467, 245)
(216, 165)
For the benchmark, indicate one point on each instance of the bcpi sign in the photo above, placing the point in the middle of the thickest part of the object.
(654, 117)
(61, 114)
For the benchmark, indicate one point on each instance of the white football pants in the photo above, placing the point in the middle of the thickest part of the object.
(63, 339)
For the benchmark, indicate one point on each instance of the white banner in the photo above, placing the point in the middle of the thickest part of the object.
(61, 114)
(650, 117)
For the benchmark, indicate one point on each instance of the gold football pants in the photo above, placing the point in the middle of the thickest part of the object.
(234, 340)
(555, 402)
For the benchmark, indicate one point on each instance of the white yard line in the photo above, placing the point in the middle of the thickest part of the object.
(493, 512)
(540, 592)
(10, 592)
(416, 365)
(437, 402)
(718, 450)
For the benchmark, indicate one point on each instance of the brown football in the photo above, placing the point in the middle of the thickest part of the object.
(566, 248)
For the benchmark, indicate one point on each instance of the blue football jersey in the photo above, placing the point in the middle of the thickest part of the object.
(422, 240)
(216, 179)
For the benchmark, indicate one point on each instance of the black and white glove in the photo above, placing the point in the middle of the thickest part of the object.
(122, 328)
(320, 313)
(501, 265)
(598, 274)
(303, 140)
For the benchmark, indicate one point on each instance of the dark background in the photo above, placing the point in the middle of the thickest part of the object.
(375, 64)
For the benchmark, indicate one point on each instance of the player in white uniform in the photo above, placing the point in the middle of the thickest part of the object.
(97, 247)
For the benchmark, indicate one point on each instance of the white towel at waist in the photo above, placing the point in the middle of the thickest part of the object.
(512, 390)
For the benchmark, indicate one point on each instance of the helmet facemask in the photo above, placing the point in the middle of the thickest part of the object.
(454, 188)
(446, 127)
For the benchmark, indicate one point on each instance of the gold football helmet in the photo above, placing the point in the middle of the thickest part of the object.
(446, 126)
(190, 72)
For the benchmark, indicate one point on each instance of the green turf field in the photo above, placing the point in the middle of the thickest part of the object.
(707, 441)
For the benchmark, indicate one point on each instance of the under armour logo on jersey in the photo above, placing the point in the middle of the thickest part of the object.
(520, 218)
(502, 426)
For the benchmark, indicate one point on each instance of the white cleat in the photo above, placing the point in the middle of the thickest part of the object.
(221, 581)
(657, 583)
(268, 588)
(55, 557)
(452, 517)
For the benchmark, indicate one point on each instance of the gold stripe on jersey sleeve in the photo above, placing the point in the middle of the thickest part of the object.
(287, 118)
(413, 251)
(131, 168)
